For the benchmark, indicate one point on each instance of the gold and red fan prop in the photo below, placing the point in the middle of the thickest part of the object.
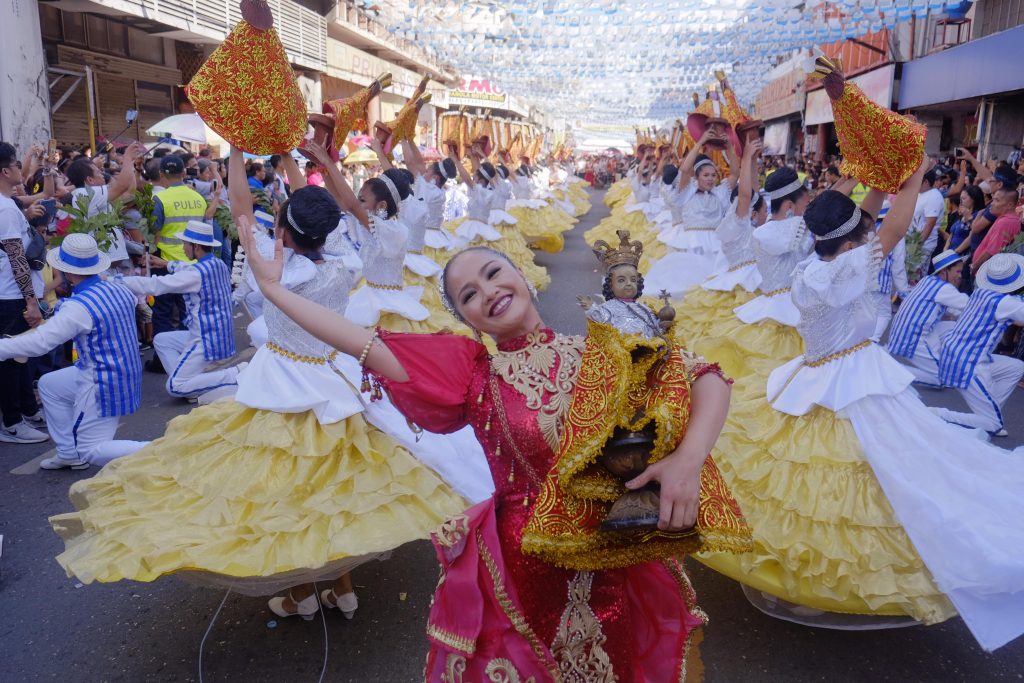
(246, 90)
(743, 128)
(879, 147)
(342, 116)
(403, 127)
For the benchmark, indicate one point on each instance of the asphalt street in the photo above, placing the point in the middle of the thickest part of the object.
(55, 629)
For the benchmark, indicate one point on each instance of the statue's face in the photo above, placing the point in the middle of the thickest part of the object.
(625, 282)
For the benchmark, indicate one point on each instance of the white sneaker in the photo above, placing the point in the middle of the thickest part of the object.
(22, 433)
(1001, 432)
(59, 463)
(37, 421)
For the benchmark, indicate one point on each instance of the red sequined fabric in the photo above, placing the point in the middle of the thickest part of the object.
(246, 92)
(448, 388)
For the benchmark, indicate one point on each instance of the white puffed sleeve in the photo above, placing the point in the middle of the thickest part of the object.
(847, 277)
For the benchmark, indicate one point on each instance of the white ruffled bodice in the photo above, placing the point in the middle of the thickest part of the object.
(433, 201)
(641, 192)
(382, 249)
(329, 287)
(702, 209)
(521, 187)
(778, 247)
(501, 194)
(478, 205)
(290, 373)
(670, 196)
(735, 235)
(838, 309)
(414, 214)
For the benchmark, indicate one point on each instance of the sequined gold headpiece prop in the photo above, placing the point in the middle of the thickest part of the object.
(627, 254)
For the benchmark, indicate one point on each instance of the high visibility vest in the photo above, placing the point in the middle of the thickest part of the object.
(181, 204)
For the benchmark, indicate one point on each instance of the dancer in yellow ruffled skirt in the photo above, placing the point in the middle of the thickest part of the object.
(826, 538)
(618, 194)
(284, 485)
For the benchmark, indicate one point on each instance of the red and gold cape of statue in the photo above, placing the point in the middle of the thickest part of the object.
(614, 391)
(247, 93)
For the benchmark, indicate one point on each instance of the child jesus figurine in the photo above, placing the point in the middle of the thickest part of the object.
(623, 284)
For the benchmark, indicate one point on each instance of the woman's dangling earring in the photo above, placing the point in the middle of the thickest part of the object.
(529, 287)
(381, 213)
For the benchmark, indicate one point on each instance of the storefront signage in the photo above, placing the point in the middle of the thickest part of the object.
(355, 66)
(781, 97)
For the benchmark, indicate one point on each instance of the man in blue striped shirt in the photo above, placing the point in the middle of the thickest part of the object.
(918, 328)
(84, 403)
(210, 336)
(966, 361)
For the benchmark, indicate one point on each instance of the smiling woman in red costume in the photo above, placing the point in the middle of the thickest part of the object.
(625, 614)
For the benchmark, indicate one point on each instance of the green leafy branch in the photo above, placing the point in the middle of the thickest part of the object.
(100, 225)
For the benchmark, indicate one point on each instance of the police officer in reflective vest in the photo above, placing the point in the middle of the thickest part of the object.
(173, 208)
(206, 285)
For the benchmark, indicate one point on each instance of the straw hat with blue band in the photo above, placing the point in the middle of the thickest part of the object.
(1002, 273)
(199, 233)
(946, 259)
(78, 254)
(264, 220)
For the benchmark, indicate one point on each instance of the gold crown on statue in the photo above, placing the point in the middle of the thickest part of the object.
(627, 254)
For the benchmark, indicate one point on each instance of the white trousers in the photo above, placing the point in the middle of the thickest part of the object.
(989, 390)
(924, 366)
(181, 353)
(72, 417)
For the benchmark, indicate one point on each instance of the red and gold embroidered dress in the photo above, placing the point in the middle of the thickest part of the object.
(501, 614)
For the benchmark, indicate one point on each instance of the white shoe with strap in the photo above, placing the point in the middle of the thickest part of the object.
(306, 609)
(348, 603)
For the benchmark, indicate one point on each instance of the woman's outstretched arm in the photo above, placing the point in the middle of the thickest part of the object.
(321, 322)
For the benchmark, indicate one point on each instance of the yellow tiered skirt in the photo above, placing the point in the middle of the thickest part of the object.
(543, 228)
(618, 194)
(241, 492)
(577, 196)
(825, 535)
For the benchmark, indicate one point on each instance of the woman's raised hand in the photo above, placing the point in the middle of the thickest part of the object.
(319, 152)
(266, 271)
